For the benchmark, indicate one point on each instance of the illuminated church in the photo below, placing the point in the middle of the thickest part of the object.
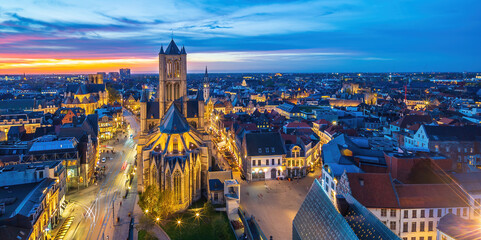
(173, 147)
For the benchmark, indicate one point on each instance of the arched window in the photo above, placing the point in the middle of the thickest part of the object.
(169, 69)
(296, 152)
(177, 187)
(197, 170)
(175, 145)
(177, 68)
(186, 185)
(168, 181)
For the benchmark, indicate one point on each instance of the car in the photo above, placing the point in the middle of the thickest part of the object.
(110, 158)
(103, 160)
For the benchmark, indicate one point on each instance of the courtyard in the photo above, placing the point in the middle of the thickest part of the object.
(274, 203)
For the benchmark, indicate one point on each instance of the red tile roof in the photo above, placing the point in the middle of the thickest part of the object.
(322, 121)
(430, 196)
(373, 189)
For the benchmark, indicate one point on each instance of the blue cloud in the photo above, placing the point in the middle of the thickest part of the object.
(438, 35)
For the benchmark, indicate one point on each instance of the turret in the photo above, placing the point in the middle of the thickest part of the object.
(206, 85)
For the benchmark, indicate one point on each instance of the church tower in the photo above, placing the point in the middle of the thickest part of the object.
(172, 77)
(206, 86)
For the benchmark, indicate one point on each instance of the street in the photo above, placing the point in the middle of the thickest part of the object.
(96, 208)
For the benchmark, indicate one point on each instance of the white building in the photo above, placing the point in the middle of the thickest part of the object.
(411, 211)
(263, 155)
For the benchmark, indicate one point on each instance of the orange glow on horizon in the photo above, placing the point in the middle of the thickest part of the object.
(16, 65)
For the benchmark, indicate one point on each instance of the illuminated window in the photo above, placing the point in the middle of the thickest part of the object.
(177, 186)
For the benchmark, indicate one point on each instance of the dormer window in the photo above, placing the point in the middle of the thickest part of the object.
(260, 150)
(267, 150)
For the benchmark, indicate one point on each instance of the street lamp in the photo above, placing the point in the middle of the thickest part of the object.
(146, 210)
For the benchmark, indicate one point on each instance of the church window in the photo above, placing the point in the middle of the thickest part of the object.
(169, 69)
(168, 179)
(175, 145)
(177, 187)
(177, 68)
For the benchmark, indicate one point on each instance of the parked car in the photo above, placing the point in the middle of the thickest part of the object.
(103, 159)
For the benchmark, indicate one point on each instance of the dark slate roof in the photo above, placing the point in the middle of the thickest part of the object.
(161, 49)
(182, 51)
(172, 160)
(174, 122)
(153, 110)
(269, 144)
(317, 218)
(18, 104)
(82, 89)
(96, 88)
(216, 185)
(85, 88)
(459, 228)
(172, 49)
(192, 109)
(453, 133)
(290, 108)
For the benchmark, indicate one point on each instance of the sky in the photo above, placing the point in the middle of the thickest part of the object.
(87, 36)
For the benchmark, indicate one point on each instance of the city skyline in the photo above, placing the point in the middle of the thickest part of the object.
(297, 36)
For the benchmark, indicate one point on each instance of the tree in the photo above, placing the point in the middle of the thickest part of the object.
(114, 95)
(159, 204)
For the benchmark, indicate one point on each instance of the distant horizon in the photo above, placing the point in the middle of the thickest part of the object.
(203, 71)
(241, 36)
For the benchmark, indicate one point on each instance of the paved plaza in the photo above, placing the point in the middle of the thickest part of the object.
(274, 203)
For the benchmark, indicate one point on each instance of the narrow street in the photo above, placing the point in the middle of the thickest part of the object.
(96, 208)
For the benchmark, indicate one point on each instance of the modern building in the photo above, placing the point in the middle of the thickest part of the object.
(319, 218)
(124, 73)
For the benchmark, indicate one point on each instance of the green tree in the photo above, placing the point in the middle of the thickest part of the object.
(159, 204)
(114, 95)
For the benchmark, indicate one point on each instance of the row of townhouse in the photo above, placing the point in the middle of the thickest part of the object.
(411, 211)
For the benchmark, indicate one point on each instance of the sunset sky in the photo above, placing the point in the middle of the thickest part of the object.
(86, 36)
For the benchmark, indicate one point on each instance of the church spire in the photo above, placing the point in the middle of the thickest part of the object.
(206, 86)
(161, 49)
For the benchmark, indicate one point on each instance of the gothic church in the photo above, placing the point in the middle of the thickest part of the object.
(173, 148)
